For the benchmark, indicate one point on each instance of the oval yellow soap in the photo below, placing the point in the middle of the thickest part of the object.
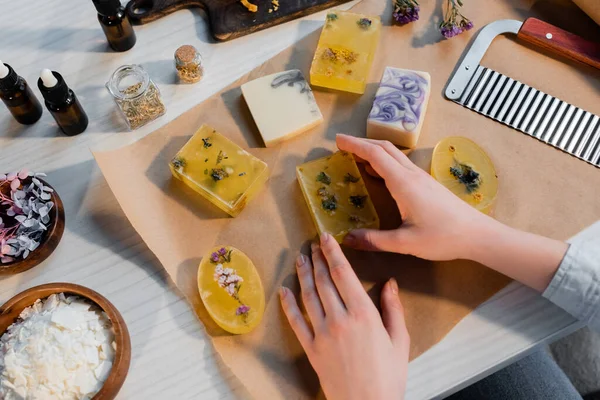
(463, 167)
(231, 289)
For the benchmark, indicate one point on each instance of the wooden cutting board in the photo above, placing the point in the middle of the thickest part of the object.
(229, 19)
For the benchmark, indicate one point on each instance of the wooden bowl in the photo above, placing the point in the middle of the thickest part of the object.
(10, 311)
(48, 244)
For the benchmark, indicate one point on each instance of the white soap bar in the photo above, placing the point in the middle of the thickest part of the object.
(282, 105)
(399, 106)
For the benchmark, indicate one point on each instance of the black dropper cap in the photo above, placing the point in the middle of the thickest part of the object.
(56, 94)
(10, 80)
(107, 7)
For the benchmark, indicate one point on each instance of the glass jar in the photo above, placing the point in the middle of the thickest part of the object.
(136, 95)
(188, 63)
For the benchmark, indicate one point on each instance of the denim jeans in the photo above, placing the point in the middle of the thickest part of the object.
(535, 377)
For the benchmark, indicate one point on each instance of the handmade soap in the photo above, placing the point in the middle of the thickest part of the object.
(345, 51)
(464, 168)
(336, 195)
(218, 169)
(399, 106)
(282, 105)
(231, 289)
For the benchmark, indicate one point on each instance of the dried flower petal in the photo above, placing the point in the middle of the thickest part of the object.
(243, 309)
(23, 174)
(454, 22)
(15, 184)
(406, 11)
(11, 177)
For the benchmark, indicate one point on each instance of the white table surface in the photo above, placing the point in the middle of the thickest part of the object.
(172, 357)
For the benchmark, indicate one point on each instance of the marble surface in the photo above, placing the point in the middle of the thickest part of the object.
(172, 357)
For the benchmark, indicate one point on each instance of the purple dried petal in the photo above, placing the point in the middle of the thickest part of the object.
(466, 25)
(241, 310)
(222, 251)
(406, 14)
(214, 257)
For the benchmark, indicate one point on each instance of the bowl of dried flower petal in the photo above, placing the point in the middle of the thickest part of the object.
(32, 221)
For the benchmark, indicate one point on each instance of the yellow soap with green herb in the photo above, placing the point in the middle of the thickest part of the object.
(345, 51)
(336, 195)
(219, 170)
(467, 171)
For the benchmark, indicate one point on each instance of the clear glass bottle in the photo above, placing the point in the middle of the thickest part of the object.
(188, 63)
(136, 95)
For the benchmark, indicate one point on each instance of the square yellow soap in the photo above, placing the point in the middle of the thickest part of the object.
(221, 171)
(336, 195)
(345, 51)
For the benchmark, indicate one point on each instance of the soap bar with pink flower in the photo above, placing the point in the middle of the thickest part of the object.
(399, 106)
(231, 289)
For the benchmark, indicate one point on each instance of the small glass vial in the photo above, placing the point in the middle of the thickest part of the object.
(115, 24)
(136, 95)
(18, 97)
(188, 63)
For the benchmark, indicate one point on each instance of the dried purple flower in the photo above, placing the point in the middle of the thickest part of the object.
(241, 310)
(454, 22)
(26, 216)
(222, 251)
(364, 23)
(214, 257)
(406, 11)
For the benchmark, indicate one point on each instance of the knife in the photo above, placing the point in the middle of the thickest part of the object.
(533, 112)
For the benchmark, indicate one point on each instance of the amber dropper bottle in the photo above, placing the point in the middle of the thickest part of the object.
(116, 24)
(62, 103)
(18, 97)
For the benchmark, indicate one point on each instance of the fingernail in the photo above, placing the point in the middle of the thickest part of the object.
(283, 291)
(324, 238)
(301, 260)
(350, 240)
(394, 285)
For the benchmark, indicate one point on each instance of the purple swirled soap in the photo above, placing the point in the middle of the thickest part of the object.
(399, 106)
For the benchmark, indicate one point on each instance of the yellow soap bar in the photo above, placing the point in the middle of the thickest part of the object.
(336, 195)
(231, 289)
(345, 51)
(221, 171)
(467, 171)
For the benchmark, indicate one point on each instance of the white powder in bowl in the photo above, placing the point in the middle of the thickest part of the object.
(59, 348)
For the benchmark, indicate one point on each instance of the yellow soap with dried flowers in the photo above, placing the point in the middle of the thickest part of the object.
(467, 171)
(231, 289)
(336, 195)
(345, 51)
(221, 171)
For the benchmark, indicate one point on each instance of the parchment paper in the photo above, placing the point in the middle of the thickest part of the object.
(541, 189)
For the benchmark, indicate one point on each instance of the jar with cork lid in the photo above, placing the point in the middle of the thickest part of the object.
(136, 95)
(188, 63)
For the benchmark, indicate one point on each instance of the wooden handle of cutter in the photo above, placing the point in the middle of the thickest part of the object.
(559, 41)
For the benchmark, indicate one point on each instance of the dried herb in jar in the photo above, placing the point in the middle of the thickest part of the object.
(188, 63)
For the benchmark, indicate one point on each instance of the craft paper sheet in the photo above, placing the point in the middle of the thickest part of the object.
(541, 189)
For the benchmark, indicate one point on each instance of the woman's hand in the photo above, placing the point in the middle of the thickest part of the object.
(436, 225)
(356, 353)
